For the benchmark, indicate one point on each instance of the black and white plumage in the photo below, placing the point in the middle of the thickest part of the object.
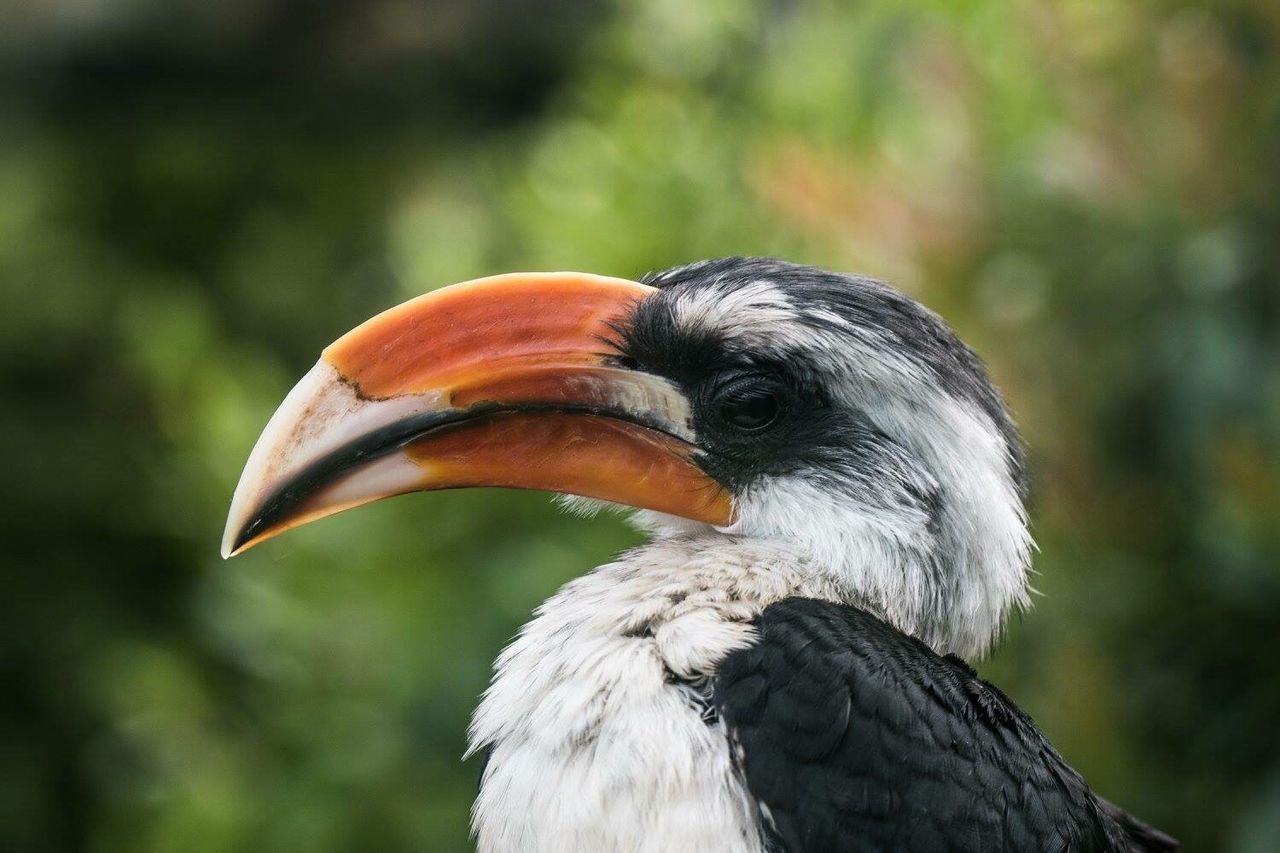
(792, 679)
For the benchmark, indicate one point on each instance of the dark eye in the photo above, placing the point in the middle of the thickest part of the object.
(750, 407)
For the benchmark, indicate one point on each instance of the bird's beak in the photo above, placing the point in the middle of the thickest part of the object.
(504, 381)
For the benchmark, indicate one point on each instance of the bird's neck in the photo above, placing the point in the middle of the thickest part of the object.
(918, 576)
(690, 600)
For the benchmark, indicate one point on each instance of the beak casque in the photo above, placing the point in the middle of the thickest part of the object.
(502, 381)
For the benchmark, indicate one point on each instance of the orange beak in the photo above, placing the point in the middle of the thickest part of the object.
(504, 381)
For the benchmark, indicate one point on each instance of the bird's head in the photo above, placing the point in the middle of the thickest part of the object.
(827, 414)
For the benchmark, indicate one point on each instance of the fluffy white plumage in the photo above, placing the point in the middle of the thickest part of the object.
(595, 747)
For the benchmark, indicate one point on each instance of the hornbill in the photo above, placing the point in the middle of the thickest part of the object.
(834, 492)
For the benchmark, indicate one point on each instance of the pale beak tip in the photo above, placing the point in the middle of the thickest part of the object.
(228, 548)
(233, 536)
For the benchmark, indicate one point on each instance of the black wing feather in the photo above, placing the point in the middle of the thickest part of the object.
(853, 736)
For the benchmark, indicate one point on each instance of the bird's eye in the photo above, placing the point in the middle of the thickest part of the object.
(750, 407)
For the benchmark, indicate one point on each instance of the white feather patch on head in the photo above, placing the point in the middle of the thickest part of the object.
(743, 312)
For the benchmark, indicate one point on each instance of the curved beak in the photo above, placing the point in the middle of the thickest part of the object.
(503, 381)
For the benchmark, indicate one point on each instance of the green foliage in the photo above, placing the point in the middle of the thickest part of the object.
(192, 205)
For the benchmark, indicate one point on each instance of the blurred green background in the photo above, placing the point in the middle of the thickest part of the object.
(196, 197)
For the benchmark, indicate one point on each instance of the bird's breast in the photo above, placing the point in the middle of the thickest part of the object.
(599, 726)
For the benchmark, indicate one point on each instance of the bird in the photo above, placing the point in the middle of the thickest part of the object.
(834, 496)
